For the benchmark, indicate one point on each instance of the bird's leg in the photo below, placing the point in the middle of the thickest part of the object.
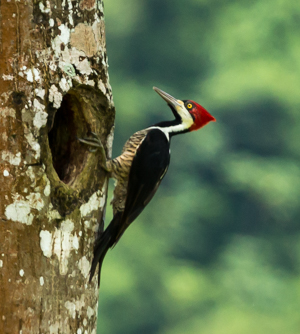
(96, 144)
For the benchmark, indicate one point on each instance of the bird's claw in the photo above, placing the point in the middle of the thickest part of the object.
(97, 145)
(96, 142)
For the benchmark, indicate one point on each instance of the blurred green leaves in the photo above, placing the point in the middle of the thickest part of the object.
(217, 249)
(275, 181)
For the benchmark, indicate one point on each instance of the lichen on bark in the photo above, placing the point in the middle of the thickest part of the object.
(54, 88)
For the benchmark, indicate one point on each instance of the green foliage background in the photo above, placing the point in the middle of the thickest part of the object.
(217, 250)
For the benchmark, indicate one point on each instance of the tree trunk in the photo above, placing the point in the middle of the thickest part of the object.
(53, 88)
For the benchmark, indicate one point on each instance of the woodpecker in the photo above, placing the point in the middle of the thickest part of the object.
(140, 168)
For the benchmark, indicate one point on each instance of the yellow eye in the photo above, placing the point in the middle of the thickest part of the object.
(189, 106)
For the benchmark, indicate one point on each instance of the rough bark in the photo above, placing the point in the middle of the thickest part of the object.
(53, 87)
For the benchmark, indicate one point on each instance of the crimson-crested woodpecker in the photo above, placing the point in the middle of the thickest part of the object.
(140, 168)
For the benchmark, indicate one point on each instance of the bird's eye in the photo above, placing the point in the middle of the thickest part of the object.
(189, 106)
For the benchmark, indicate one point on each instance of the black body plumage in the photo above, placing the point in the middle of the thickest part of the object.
(149, 165)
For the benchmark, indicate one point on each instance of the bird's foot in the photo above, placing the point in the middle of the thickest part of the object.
(96, 144)
(94, 141)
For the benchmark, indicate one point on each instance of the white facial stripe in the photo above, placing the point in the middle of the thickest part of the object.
(186, 117)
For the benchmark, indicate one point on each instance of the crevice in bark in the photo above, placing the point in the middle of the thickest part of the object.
(69, 163)
(67, 153)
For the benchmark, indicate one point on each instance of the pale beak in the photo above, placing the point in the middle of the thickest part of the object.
(169, 98)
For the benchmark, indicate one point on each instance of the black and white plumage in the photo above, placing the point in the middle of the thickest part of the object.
(140, 168)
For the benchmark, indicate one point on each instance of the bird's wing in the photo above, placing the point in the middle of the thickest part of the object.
(147, 170)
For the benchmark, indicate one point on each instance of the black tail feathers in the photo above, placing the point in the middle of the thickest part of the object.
(99, 255)
(102, 245)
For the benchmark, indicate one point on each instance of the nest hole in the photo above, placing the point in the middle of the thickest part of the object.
(67, 152)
